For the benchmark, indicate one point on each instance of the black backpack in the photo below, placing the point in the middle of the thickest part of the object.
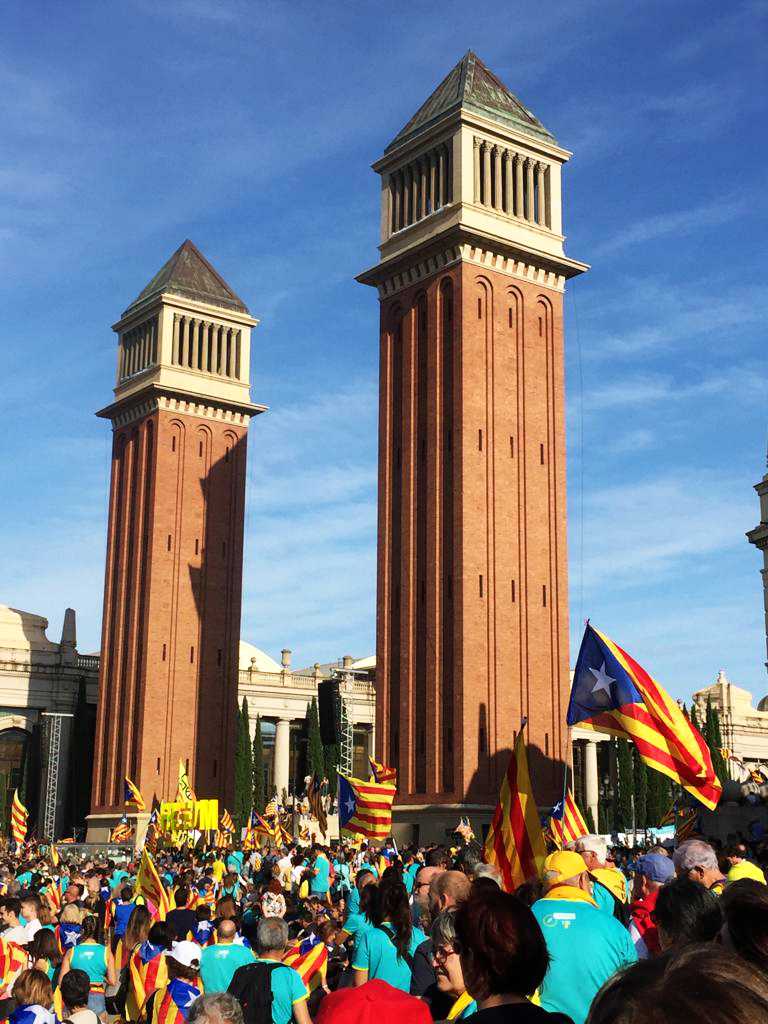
(251, 985)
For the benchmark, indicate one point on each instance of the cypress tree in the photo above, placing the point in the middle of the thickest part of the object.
(603, 825)
(653, 809)
(243, 774)
(257, 770)
(626, 787)
(315, 752)
(641, 789)
(590, 821)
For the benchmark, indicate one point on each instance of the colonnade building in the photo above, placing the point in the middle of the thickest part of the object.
(40, 678)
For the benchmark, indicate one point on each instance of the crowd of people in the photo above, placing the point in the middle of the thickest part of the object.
(357, 933)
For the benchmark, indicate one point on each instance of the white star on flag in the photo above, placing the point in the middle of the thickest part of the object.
(603, 680)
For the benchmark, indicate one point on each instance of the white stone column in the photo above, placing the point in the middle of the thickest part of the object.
(591, 784)
(282, 754)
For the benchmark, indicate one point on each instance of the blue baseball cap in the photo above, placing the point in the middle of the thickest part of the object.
(656, 867)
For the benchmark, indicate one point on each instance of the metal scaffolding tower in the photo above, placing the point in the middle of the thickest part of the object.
(51, 723)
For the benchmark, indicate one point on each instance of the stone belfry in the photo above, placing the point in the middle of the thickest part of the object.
(472, 603)
(173, 580)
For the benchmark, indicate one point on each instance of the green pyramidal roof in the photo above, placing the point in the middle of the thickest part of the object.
(473, 86)
(188, 273)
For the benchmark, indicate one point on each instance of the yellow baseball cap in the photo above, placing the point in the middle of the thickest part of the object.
(565, 864)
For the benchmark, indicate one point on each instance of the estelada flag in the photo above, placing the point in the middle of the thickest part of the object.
(612, 693)
(567, 824)
(132, 796)
(366, 807)
(19, 816)
(515, 843)
(172, 1004)
(310, 959)
(382, 772)
(149, 886)
(147, 971)
(121, 833)
(227, 825)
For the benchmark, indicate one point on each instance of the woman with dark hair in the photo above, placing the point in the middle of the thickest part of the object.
(701, 983)
(686, 912)
(385, 950)
(136, 932)
(96, 960)
(147, 968)
(45, 955)
(744, 905)
(503, 959)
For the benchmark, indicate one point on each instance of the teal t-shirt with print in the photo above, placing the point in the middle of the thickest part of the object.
(287, 990)
(587, 946)
(375, 952)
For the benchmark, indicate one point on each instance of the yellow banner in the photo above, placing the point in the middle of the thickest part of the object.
(185, 815)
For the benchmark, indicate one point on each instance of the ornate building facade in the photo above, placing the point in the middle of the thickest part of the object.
(39, 677)
(472, 605)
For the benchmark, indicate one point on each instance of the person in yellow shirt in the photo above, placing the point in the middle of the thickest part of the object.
(218, 869)
(736, 856)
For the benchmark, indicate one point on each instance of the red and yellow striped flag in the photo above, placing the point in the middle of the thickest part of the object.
(310, 959)
(149, 886)
(612, 693)
(382, 772)
(19, 816)
(515, 843)
(227, 825)
(566, 824)
(121, 833)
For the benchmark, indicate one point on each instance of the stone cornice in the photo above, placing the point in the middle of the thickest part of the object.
(159, 399)
(392, 276)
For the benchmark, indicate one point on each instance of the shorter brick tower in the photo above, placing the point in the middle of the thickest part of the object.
(472, 607)
(173, 579)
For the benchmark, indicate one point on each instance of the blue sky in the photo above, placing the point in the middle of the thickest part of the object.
(250, 128)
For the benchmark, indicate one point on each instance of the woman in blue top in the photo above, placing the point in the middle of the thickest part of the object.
(96, 960)
(385, 950)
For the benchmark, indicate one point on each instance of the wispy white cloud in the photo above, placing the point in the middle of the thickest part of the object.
(631, 442)
(679, 223)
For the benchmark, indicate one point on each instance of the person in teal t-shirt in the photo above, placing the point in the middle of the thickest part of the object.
(220, 961)
(289, 993)
(587, 945)
(320, 880)
(376, 953)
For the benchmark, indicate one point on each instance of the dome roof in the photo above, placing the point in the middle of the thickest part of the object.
(262, 662)
(762, 705)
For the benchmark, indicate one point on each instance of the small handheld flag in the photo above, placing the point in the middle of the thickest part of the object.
(612, 693)
(366, 807)
(382, 772)
(567, 824)
(121, 833)
(19, 816)
(227, 825)
(132, 796)
(515, 843)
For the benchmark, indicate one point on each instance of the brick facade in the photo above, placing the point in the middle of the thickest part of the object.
(168, 680)
(472, 577)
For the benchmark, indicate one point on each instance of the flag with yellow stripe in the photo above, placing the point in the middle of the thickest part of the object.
(612, 693)
(567, 824)
(19, 816)
(515, 843)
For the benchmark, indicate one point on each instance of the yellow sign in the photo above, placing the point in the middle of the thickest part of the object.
(185, 815)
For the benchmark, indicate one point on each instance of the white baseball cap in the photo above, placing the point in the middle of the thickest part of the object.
(187, 953)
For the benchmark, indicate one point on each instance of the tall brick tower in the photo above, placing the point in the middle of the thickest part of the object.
(472, 605)
(172, 589)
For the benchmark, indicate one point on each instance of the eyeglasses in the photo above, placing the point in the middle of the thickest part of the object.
(443, 952)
